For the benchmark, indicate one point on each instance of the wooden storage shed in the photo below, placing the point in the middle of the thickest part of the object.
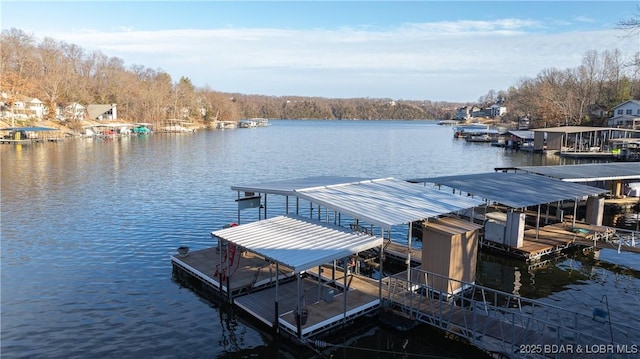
(450, 249)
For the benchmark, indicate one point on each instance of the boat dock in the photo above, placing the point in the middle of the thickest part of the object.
(498, 322)
(544, 241)
(28, 135)
(253, 289)
(300, 278)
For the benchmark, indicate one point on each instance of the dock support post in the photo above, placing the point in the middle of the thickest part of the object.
(344, 293)
(238, 219)
(276, 323)
(299, 308)
(265, 206)
(409, 255)
(538, 222)
(319, 282)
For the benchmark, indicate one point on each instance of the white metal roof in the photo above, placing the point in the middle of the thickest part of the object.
(588, 172)
(527, 135)
(387, 202)
(288, 187)
(516, 190)
(296, 242)
(579, 129)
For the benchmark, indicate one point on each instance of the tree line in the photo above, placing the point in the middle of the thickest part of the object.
(60, 73)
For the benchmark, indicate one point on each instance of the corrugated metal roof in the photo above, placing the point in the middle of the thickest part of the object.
(588, 172)
(528, 135)
(296, 242)
(516, 190)
(577, 129)
(388, 202)
(288, 187)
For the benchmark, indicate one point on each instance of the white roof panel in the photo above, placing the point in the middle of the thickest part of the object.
(388, 202)
(579, 129)
(296, 242)
(287, 187)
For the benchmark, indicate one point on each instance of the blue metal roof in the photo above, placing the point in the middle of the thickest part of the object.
(34, 129)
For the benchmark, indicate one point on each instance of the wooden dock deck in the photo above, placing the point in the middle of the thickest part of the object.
(252, 288)
(399, 252)
(325, 311)
(545, 240)
(248, 272)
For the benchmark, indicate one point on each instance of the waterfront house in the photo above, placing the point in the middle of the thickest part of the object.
(102, 112)
(464, 113)
(497, 111)
(625, 115)
(28, 107)
(71, 112)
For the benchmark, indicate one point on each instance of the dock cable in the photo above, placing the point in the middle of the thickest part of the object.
(322, 344)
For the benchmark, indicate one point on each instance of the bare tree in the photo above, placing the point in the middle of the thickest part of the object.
(631, 25)
(17, 61)
(53, 73)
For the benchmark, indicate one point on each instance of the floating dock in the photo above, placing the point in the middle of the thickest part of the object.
(299, 277)
(254, 289)
(276, 270)
(537, 243)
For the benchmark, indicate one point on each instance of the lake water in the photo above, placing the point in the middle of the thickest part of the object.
(88, 227)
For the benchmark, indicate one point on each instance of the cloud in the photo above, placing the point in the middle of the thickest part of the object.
(467, 57)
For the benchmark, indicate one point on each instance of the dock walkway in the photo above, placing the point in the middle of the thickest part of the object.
(503, 323)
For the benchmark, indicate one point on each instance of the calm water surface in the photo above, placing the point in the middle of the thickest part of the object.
(88, 226)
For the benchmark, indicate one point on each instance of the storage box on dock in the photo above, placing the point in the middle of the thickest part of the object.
(450, 249)
(505, 228)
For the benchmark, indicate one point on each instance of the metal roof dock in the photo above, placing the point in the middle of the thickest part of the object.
(289, 187)
(516, 190)
(387, 202)
(300, 275)
(298, 243)
(383, 202)
(588, 172)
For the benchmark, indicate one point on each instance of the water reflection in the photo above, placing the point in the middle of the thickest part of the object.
(88, 227)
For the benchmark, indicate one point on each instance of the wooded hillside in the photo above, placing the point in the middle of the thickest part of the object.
(59, 73)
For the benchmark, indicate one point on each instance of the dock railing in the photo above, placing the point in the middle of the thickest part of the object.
(618, 238)
(625, 238)
(500, 322)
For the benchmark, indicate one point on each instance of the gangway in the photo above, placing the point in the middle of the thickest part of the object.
(614, 238)
(504, 324)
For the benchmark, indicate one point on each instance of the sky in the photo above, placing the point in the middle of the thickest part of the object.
(455, 51)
